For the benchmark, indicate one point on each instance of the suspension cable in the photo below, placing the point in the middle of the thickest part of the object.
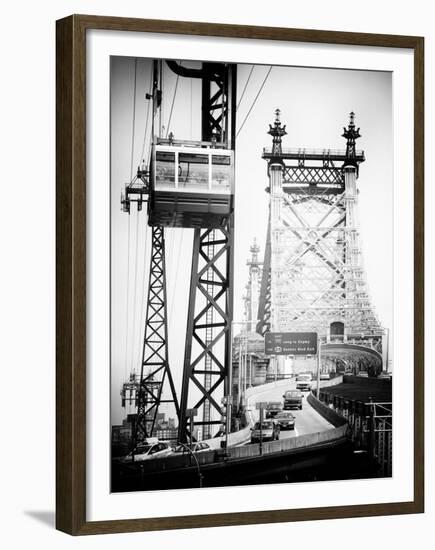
(127, 316)
(174, 286)
(135, 285)
(142, 303)
(191, 96)
(255, 100)
(147, 118)
(134, 119)
(172, 106)
(171, 238)
(244, 89)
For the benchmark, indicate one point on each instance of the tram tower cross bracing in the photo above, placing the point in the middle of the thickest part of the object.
(313, 278)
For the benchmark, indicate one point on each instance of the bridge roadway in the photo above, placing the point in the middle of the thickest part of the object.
(319, 458)
(307, 420)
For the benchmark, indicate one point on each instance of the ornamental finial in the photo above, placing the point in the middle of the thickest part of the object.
(351, 134)
(255, 249)
(277, 132)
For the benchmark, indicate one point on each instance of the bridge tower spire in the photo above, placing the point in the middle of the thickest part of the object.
(277, 131)
(312, 263)
(253, 288)
(351, 134)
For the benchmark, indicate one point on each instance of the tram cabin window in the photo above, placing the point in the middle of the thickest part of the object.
(165, 168)
(193, 170)
(221, 173)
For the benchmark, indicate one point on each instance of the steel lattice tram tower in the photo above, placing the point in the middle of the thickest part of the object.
(313, 278)
(189, 184)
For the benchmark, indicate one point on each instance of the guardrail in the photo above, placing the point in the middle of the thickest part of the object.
(314, 153)
(370, 423)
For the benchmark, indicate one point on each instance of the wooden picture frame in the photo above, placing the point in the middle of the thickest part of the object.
(71, 273)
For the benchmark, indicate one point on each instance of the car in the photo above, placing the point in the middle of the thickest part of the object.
(267, 431)
(303, 382)
(324, 376)
(147, 451)
(273, 408)
(285, 420)
(198, 447)
(293, 399)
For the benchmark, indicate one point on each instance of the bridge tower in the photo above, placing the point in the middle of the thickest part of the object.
(313, 278)
(253, 287)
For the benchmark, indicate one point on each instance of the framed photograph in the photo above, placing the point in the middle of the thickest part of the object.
(239, 275)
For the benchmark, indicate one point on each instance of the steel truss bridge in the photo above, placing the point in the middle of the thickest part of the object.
(313, 277)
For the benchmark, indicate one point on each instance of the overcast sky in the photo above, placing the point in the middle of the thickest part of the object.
(315, 105)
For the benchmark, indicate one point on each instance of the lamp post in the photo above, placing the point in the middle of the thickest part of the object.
(243, 357)
(241, 378)
(319, 359)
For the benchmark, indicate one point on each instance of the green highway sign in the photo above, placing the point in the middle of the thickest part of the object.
(290, 343)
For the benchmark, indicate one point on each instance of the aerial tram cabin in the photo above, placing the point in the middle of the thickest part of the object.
(191, 184)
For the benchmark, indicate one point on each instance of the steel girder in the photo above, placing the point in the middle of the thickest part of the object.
(207, 357)
(313, 175)
(215, 97)
(208, 350)
(155, 377)
(317, 275)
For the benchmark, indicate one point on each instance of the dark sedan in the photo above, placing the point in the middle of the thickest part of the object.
(285, 420)
(273, 408)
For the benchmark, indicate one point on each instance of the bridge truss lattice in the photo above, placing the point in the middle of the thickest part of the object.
(313, 277)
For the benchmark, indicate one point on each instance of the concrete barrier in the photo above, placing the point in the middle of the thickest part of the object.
(235, 438)
(332, 381)
(328, 383)
(329, 414)
(292, 443)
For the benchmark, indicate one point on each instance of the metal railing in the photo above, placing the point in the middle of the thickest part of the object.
(307, 151)
(370, 427)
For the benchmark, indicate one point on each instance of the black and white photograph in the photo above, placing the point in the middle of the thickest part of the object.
(251, 274)
(218, 279)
